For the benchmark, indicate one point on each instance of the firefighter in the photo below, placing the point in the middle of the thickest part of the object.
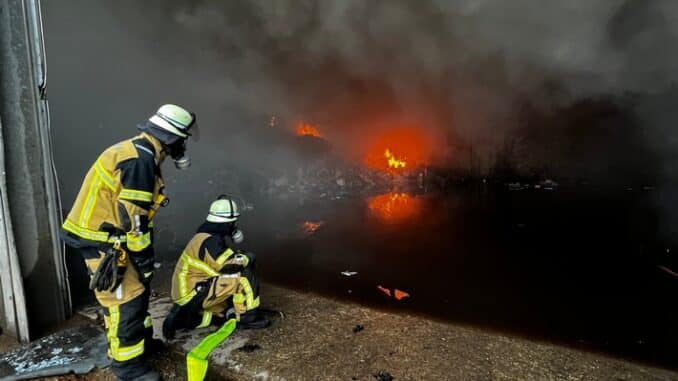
(212, 282)
(110, 224)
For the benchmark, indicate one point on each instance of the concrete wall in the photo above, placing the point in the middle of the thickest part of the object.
(30, 182)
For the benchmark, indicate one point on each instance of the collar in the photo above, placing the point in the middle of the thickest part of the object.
(157, 146)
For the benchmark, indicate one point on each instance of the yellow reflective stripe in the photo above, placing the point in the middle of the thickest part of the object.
(130, 352)
(148, 322)
(146, 275)
(186, 298)
(183, 281)
(206, 319)
(86, 211)
(91, 235)
(198, 264)
(249, 294)
(135, 195)
(112, 334)
(238, 299)
(105, 176)
(224, 256)
(255, 304)
(116, 351)
(138, 242)
(95, 198)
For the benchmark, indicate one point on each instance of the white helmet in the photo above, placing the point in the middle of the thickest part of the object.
(223, 210)
(174, 119)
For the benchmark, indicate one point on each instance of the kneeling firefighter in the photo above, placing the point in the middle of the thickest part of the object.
(211, 281)
(110, 224)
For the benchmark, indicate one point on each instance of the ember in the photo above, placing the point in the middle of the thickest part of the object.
(310, 228)
(307, 129)
(394, 207)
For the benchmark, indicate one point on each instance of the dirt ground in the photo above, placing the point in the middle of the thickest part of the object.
(319, 339)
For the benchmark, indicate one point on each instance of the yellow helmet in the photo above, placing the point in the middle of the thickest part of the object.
(223, 210)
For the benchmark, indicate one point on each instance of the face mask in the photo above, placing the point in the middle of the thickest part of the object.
(178, 152)
(182, 162)
(237, 236)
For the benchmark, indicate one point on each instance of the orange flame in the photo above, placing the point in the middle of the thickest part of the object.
(392, 161)
(397, 149)
(310, 228)
(307, 129)
(395, 207)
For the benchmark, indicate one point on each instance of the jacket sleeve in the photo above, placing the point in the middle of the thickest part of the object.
(137, 179)
(216, 252)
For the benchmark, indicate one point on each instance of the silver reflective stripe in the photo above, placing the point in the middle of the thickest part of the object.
(144, 149)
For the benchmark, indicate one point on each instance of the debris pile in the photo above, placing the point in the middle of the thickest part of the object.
(77, 351)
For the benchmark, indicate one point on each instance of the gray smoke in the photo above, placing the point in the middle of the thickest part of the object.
(585, 88)
(463, 69)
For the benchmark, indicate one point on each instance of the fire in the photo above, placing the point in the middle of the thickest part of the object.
(395, 207)
(392, 161)
(310, 227)
(307, 129)
(397, 149)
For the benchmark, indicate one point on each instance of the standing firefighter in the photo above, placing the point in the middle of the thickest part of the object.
(210, 277)
(111, 225)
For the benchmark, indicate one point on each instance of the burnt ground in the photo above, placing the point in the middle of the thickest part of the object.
(319, 340)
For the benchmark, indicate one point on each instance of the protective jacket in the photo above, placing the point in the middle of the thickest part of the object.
(208, 262)
(119, 196)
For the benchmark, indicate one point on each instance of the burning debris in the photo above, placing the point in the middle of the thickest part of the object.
(384, 290)
(400, 295)
(307, 129)
(398, 149)
(397, 294)
(392, 161)
(310, 228)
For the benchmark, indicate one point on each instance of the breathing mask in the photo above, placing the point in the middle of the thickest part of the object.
(177, 151)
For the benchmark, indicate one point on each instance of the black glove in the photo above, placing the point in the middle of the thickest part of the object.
(109, 273)
(143, 262)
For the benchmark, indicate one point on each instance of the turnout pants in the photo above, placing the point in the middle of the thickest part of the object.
(128, 325)
(214, 297)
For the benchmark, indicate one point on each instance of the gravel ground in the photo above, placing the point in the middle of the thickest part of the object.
(324, 339)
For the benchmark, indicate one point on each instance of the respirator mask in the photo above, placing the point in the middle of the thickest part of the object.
(236, 234)
(177, 151)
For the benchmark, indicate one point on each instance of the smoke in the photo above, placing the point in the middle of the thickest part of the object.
(467, 70)
(579, 88)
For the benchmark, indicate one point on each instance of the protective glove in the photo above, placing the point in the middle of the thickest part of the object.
(143, 262)
(110, 272)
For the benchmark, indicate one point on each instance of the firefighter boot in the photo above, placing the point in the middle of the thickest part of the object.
(253, 319)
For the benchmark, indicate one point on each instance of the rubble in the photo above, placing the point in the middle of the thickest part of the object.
(78, 350)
